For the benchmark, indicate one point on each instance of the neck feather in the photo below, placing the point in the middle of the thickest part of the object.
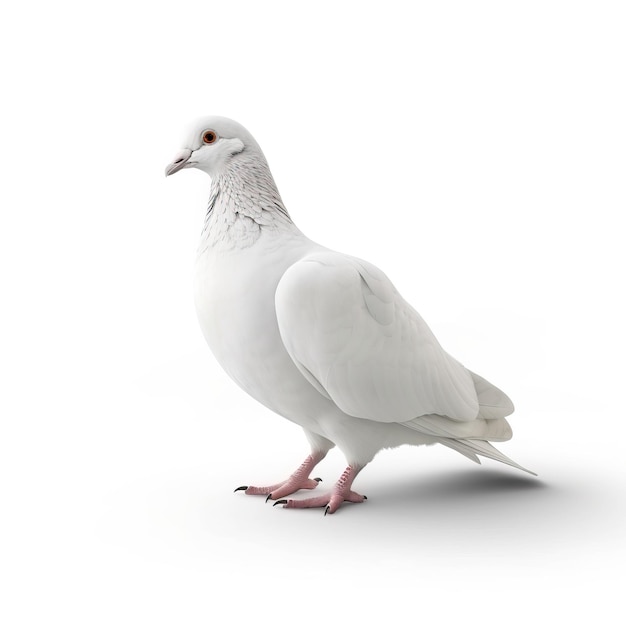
(244, 201)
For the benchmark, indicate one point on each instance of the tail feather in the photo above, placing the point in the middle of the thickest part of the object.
(472, 447)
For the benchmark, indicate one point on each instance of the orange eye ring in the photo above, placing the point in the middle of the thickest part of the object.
(209, 136)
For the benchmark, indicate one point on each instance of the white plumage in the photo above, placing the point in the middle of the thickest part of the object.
(319, 337)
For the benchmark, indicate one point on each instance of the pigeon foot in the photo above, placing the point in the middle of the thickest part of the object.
(298, 480)
(341, 493)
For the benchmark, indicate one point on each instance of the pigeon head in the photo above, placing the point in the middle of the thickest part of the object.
(211, 144)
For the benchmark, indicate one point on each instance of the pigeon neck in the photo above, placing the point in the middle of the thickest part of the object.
(244, 202)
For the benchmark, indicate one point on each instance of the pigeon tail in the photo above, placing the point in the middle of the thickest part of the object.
(473, 447)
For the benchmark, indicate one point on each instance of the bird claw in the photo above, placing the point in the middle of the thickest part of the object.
(279, 502)
(242, 488)
(330, 502)
(280, 490)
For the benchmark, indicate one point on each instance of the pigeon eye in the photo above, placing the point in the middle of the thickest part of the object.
(209, 136)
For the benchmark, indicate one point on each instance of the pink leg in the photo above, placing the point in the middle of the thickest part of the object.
(298, 480)
(341, 493)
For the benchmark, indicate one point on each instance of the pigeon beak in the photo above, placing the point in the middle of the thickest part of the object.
(180, 161)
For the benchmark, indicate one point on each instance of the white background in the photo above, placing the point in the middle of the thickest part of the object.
(475, 151)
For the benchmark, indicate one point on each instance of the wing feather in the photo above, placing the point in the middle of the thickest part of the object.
(348, 330)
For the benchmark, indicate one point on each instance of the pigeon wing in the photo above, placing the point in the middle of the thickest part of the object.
(358, 342)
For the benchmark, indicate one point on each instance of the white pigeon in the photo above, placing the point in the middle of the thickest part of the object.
(319, 337)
